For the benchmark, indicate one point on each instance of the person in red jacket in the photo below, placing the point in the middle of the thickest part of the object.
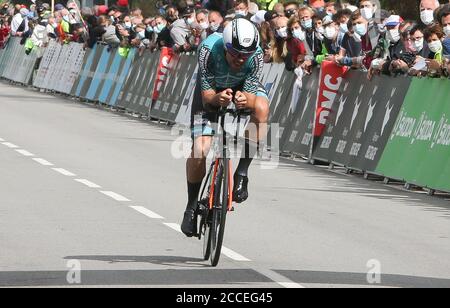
(4, 32)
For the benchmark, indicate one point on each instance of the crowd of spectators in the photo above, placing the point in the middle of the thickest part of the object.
(301, 34)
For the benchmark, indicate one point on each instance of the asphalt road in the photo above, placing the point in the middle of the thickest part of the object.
(83, 188)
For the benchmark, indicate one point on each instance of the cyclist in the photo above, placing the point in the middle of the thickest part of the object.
(230, 66)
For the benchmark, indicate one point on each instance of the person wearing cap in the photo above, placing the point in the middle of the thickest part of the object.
(181, 29)
(20, 24)
(331, 31)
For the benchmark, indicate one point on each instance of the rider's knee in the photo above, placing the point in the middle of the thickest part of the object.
(201, 148)
(262, 110)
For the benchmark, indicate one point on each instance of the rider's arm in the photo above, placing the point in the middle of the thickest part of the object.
(252, 82)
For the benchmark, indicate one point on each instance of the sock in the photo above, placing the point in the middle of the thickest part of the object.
(248, 152)
(193, 191)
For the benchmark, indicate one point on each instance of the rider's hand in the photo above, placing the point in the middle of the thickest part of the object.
(241, 101)
(225, 98)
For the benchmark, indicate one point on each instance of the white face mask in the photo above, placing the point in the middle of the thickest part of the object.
(240, 12)
(204, 25)
(367, 13)
(320, 30)
(330, 32)
(393, 35)
(427, 17)
(190, 21)
(447, 30)
(418, 45)
(435, 46)
(299, 34)
(214, 27)
(128, 25)
(282, 32)
(141, 35)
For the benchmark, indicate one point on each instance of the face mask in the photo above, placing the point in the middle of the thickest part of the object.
(427, 17)
(190, 21)
(330, 14)
(330, 32)
(128, 25)
(282, 33)
(55, 25)
(204, 25)
(361, 29)
(299, 34)
(307, 24)
(320, 30)
(141, 35)
(393, 35)
(66, 18)
(435, 46)
(447, 30)
(149, 29)
(240, 13)
(214, 27)
(158, 29)
(343, 28)
(367, 13)
(418, 45)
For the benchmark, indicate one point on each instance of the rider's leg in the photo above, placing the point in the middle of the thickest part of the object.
(195, 171)
(255, 133)
(196, 167)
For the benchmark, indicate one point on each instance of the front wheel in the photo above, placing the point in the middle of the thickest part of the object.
(220, 204)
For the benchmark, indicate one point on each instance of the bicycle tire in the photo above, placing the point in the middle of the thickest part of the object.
(220, 210)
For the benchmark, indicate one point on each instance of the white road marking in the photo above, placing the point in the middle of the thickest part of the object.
(25, 153)
(291, 285)
(63, 171)
(88, 183)
(278, 278)
(43, 162)
(234, 255)
(10, 145)
(115, 196)
(147, 212)
(2, 140)
(175, 227)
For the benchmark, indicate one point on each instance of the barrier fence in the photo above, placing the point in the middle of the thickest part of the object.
(393, 127)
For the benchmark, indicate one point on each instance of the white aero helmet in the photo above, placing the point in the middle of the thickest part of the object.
(241, 36)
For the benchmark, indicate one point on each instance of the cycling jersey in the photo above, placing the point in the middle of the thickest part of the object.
(215, 74)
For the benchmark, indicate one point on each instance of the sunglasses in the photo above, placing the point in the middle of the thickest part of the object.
(239, 54)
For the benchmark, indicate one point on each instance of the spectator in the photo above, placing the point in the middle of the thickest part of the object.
(341, 19)
(164, 39)
(19, 24)
(434, 36)
(427, 9)
(330, 38)
(180, 31)
(110, 35)
(291, 8)
(4, 31)
(295, 42)
(313, 42)
(203, 23)
(330, 9)
(278, 51)
(215, 22)
(241, 9)
(418, 40)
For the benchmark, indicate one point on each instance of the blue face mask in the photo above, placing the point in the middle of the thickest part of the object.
(307, 24)
(149, 29)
